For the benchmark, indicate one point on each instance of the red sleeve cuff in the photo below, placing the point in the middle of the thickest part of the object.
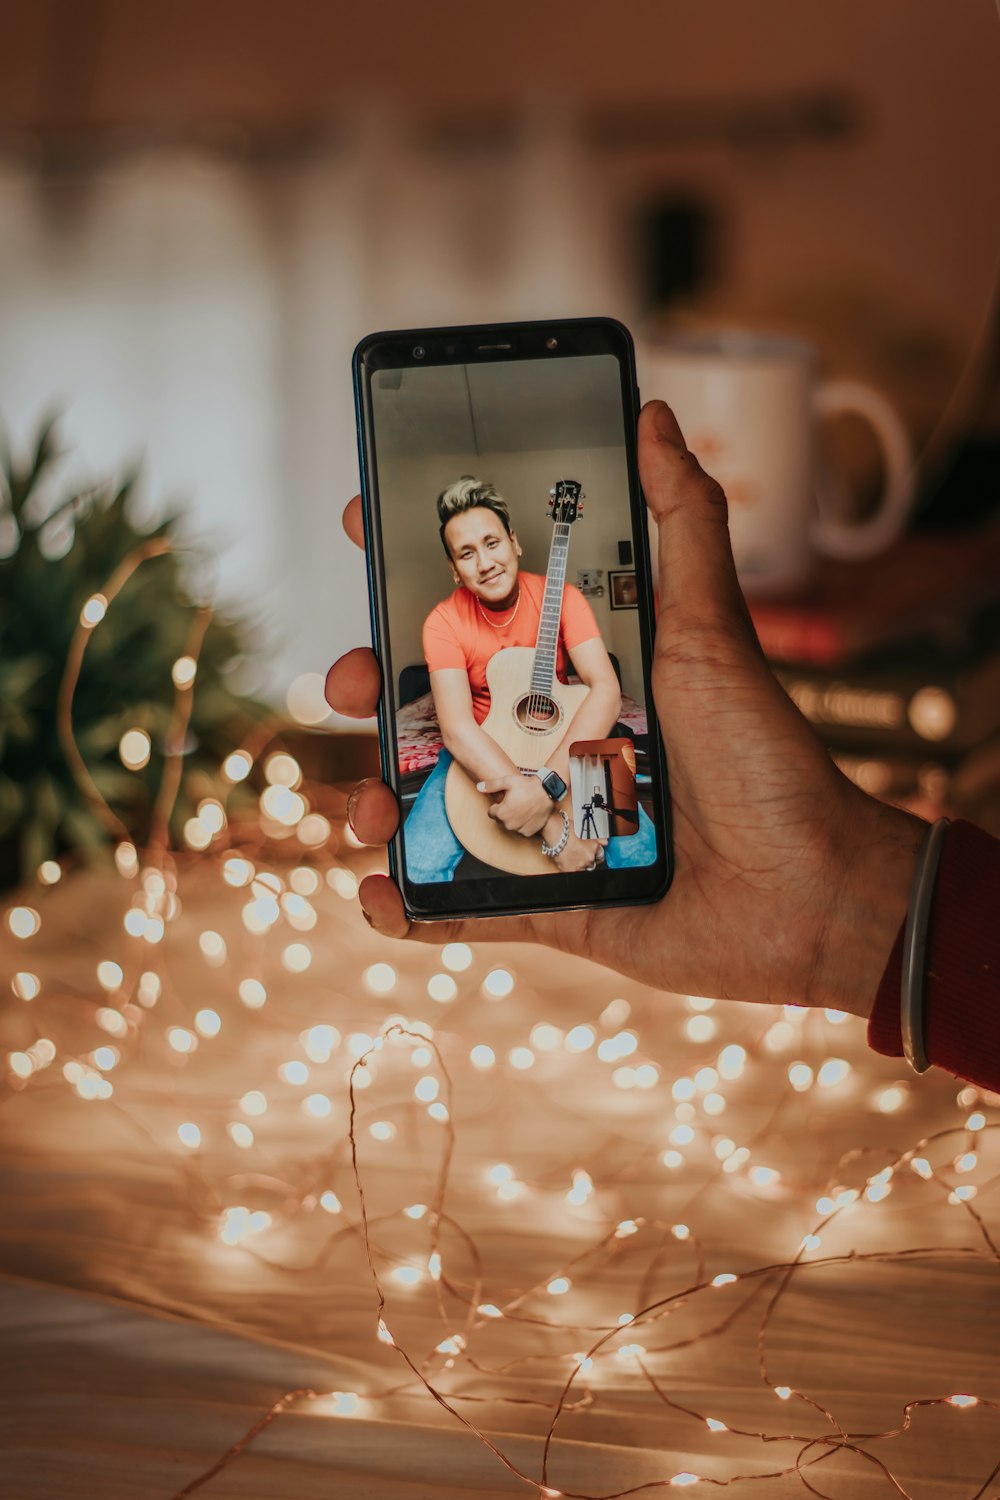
(962, 989)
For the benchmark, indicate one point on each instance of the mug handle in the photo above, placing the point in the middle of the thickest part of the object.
(853, 540)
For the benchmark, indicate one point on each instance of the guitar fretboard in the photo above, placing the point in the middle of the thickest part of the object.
(543, 672)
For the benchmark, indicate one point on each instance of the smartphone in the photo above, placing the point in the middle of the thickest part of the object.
(512, 613)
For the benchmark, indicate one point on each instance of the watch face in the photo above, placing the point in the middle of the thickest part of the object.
(555, 786)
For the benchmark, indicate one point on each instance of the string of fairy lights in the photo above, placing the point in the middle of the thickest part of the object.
(281, 863)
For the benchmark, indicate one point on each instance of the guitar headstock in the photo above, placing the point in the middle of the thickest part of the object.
(566, 502)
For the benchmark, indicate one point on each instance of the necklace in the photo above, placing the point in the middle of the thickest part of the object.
(502, 625)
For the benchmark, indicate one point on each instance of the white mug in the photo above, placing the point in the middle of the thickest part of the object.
(748, 404)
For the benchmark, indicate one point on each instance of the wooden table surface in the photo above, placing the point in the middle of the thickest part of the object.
(139, 1346)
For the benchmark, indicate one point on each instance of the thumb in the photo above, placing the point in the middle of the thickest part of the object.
(697, 575)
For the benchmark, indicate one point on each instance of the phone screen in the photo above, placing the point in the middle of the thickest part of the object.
(511, 588)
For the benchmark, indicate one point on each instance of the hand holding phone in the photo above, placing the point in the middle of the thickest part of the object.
(791, 883)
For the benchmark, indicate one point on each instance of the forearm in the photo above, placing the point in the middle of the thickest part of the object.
(477, 753)
(593, 720)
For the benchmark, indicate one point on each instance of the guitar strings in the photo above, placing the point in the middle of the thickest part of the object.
(540, 706)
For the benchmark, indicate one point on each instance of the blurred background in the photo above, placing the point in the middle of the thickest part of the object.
(204, 205)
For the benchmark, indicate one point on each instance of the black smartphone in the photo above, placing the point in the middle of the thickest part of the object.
(512, 613)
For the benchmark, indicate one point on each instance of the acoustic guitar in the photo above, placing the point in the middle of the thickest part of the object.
(530, 712)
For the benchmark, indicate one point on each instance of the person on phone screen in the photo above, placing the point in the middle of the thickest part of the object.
(495, 604)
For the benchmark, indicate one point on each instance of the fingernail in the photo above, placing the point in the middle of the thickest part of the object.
(663, 420)
(352, 800)
(480, 786)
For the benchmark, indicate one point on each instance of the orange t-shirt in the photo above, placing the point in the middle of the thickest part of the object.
(457, 635)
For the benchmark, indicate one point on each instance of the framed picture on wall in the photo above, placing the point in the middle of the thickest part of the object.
(623, 589)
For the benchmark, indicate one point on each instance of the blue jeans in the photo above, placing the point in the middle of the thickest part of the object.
(433, 852)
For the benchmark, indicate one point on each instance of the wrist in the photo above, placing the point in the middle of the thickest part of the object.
(553, 782)
(874, 862)
(552, 828)
(553, 848)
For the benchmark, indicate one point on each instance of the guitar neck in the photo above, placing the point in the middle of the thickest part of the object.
(547, 641)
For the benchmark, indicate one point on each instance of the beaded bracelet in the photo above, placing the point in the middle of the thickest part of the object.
(911, 993)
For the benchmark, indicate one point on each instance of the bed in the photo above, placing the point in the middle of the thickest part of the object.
(419, 737)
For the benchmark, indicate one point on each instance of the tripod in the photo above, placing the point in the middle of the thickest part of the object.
(588, 828)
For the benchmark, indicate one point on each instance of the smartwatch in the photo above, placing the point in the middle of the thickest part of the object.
(552, 782)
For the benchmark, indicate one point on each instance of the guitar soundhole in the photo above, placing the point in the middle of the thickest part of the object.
(537, 713)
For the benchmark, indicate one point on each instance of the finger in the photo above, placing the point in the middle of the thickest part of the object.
(667, 427)
(353, 684)
(382, 905)
(506, 820)
(354, 522)
(373, 812)
(498, 784)
(696, 571)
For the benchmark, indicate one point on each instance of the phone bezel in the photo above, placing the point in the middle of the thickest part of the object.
(551, 340)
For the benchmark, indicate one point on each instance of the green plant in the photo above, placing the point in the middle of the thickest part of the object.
(125, 675)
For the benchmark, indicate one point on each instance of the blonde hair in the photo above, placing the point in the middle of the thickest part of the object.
(466, 494)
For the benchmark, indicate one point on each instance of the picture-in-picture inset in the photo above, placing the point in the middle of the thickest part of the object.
(603, 788)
